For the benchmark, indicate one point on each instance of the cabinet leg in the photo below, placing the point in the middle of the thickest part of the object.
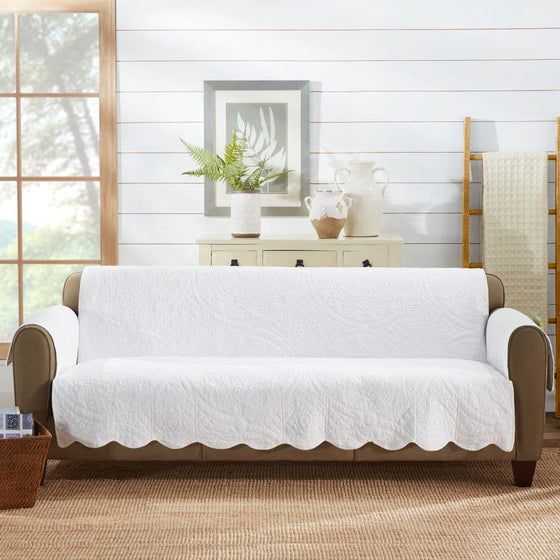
(523, 472)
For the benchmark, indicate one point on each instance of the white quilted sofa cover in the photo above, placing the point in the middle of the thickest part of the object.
(270, 356)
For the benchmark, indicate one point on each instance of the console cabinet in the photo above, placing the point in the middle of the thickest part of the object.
(384, 250)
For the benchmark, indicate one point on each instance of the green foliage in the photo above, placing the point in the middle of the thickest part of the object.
(231, 168)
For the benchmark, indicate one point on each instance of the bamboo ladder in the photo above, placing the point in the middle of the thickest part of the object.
(469, 156)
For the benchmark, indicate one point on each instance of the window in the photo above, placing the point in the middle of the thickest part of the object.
(57, 149)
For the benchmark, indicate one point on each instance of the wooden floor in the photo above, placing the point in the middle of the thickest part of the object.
(551, 431)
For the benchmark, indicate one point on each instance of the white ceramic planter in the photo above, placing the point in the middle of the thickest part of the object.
(246, 214)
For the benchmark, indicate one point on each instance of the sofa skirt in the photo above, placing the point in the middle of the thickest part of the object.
(325, 452)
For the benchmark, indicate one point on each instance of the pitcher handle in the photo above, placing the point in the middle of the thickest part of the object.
(348, 199)
(336, 174)
(307, 201)
(379, 168)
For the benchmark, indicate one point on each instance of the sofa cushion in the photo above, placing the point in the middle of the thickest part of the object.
(265, 402)
(277, 312)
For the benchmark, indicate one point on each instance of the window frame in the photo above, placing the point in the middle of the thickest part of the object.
(107, 131)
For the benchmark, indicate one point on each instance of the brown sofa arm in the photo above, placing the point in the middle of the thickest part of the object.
(521, 351)
(40, 348)
(34, 366)
(528, 365)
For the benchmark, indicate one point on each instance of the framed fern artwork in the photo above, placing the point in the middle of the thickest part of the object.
(273, 118)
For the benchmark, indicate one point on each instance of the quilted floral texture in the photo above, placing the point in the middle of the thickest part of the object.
(277, 312)
(269, 356)
(265, 402)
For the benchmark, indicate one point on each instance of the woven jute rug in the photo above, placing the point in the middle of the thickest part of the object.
(287, 510)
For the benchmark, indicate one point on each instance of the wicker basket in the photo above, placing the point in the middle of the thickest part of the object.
(22, 464)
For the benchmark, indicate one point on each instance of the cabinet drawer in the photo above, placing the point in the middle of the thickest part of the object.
(225, 258)
(290, 258)
(377, 256)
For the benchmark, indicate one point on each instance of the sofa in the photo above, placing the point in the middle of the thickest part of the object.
(252, 364)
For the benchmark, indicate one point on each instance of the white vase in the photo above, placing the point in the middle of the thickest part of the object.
(245, 213)
(364, 218)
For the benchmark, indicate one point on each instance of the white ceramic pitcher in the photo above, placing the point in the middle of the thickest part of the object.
(364, 217)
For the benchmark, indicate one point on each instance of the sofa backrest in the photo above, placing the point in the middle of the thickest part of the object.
(276, 312)
(71, 292)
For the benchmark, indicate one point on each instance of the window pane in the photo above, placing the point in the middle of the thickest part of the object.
(60, 137)
(8, 220)
(8, 301)
(7, 137)
(61, 220)
(42, 285)
(7, 54)
(59, 52)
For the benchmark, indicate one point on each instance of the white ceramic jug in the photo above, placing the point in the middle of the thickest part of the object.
(364, 217)
(328, 211)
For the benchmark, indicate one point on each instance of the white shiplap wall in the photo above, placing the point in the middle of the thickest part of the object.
(390, 80)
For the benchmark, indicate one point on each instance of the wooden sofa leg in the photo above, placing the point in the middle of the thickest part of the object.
(523, 472)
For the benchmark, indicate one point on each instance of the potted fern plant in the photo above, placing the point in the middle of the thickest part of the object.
(245, 181)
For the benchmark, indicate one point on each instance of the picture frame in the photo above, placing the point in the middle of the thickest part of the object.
(274, 116)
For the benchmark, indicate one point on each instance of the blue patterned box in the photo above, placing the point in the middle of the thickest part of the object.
(15, 425)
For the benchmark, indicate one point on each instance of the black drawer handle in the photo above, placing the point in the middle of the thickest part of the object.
(299, 262)
(366, 264)
(234, 262)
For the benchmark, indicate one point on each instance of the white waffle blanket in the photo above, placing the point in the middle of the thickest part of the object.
(514, 241)
(265, 402)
